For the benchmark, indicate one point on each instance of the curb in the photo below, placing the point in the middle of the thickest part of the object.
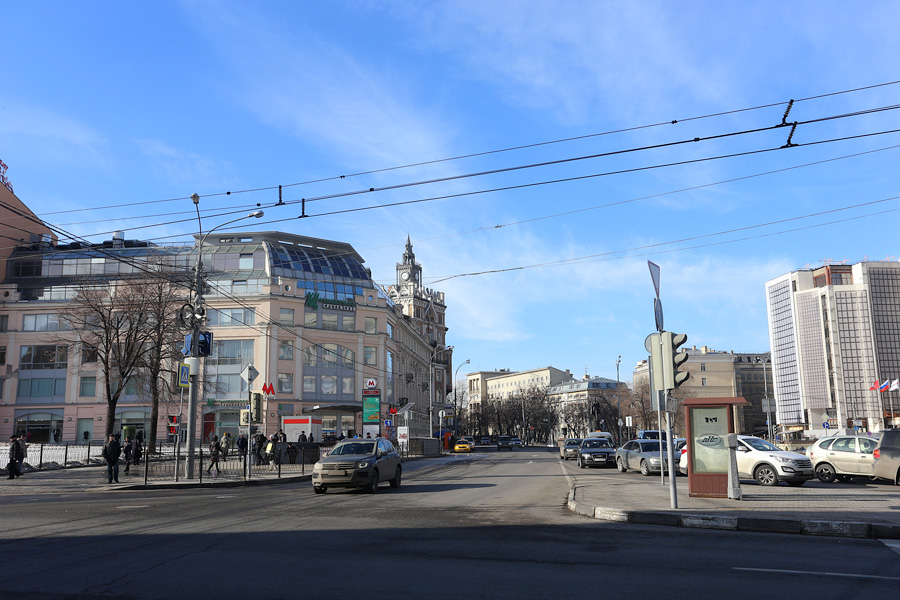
(208, 484)
(849, 529)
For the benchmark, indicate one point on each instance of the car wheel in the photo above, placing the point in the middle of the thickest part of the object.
(645, 468)
(766, 475)
(897, 478)
(825, 473)
(581, 463)
(320, 489)
(796, 482)
(620, 465)
(395, 482)
(373, 482)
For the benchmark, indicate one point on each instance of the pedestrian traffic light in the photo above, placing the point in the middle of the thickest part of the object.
(173, 424)
(256, 407)
(204, 343)
(672, 359)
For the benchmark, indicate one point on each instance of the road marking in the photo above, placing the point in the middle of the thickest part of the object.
(223, 497)
(817, 573)
(134, 506)
(892, 544)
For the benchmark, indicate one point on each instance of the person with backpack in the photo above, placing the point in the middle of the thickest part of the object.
(111, 452)
(13, 466)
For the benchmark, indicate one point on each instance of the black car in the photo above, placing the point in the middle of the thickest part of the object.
(596, 452)
(504, 441)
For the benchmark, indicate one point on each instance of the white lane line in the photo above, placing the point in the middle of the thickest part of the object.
(134, 506)
(817, 573)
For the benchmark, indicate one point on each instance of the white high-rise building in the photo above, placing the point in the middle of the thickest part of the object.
(834, 331)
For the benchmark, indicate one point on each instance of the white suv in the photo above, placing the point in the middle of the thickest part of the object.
(767, 464)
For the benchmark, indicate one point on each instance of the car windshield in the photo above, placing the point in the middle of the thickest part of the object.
(759, 444)
(572, 442)
(596, 444)
(354, 448)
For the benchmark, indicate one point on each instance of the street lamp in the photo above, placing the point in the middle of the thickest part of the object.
(618, 401)
(434, 349)
(197, 316)
(455, 397)
(766, 400)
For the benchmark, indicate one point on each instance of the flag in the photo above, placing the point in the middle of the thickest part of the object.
(895, 385)
(884, 386)
(874, 386)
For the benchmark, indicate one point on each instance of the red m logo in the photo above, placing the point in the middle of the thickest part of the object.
(268, 389)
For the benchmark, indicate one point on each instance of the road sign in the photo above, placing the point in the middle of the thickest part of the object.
(654, 274)
(249, 374)
(442, 414)
(826, 425)
(658, 314)
(371, 383)
(388, 423)
(184, 374)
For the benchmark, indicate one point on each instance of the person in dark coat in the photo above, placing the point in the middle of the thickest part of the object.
(129, 452)
(13, 465)
(111, 452)
(242, 445)
(215, 450)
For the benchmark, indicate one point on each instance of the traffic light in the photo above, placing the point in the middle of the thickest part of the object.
(204, 343)
(672, 359)
(173, 424)
(245, 417)
(256, 407)
(656, 361)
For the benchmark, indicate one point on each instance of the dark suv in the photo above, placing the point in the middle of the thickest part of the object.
(887, 456)
(504, 441)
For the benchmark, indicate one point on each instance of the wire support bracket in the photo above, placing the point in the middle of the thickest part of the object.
(789, 143)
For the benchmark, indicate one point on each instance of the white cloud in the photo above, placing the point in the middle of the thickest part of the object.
(57, 138)
(180, 167)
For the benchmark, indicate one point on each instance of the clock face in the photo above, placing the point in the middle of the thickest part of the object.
(405, 276)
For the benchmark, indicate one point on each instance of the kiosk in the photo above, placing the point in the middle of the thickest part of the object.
(708, 422)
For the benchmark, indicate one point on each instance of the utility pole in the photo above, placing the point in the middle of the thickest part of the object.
(618, 401)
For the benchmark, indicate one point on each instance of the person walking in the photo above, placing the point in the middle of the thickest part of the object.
(13, 465)
(226, 443)
(23, 452)
(111, 451)
(215, 449)
(242, 445)
(138, 450)
(302, 438)
(129, 452)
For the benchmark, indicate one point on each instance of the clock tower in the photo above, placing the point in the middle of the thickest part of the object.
(409, 272)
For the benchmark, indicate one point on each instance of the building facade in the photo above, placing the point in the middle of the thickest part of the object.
(834, 331)
(304, 312)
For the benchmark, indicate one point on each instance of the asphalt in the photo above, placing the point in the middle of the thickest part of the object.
(860, 508)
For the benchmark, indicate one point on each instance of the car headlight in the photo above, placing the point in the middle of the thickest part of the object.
(362, 464)
(317, 467)
(785, 460)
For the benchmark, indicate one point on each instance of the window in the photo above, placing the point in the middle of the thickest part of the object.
(309, 384)
(370, 354)
(2, 355)
(329, 385)
(88, 354)
(329, 321)
(348, 357)
(390, 330)
(702, 366)
(309, 356)
(286, 316)
(43, 357)
(230, 384)
(348, 323)
(347, 385)
(232, 352)
(703, 381)
(4, 322)
(371, 325)
(87, 386)
(329, 355)
(285, 350)
(245, 262)
(48, 322)
(285, 383)
(42, 387)
(310, 319)
(224, 317)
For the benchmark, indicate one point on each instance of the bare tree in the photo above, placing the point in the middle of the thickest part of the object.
(128, 326)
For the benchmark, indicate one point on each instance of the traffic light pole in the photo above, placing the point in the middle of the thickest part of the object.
(194, 362)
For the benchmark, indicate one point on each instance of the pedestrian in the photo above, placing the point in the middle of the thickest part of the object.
(242, 445)
(111, 451)
(23, 451)
(139, 437)
(13, 465)
(129, 452)
(302, 438)
(215, 449)
(310, 439)
(138, 451)
(56, 435)
(86, 437)
(280, 436)
(270, 451)
(261, 442)
(224, 443)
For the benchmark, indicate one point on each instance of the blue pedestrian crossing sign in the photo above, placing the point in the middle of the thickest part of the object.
(184, 375)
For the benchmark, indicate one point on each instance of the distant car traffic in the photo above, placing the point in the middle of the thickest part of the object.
(569, 448)
(485, 441)
(504, 441)
(516, 442)
(358, 463)
(641, 454)
(596, 452)
(843, 456)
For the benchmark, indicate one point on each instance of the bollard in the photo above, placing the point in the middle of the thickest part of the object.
(41, 458)
(66, 456)
(146, 467)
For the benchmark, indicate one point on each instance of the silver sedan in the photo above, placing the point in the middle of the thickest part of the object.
(641, 454)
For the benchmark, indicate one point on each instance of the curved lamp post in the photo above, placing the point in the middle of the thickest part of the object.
(197, 316)
(456, 398)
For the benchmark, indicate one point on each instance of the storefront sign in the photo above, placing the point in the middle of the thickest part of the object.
(313, 300)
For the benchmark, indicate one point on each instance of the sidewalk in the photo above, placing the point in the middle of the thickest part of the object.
(860, 508)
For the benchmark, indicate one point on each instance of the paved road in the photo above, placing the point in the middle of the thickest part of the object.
(490, 525)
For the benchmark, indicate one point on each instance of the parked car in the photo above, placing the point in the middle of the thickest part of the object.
(470, 439)
(887, 456)
(504, 441)
(843, 456)
(462, 446)
(641, 454)
(768, 464)
(517, 443)
(569, 448)
(596, 452)
(358, 463)
(485, 441)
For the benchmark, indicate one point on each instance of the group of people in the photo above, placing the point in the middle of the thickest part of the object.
(18, 450)
(112, 453)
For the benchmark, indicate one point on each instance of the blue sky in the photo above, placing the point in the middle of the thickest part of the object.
(125, 109)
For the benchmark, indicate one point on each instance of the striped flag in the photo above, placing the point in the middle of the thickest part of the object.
(884, 386)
